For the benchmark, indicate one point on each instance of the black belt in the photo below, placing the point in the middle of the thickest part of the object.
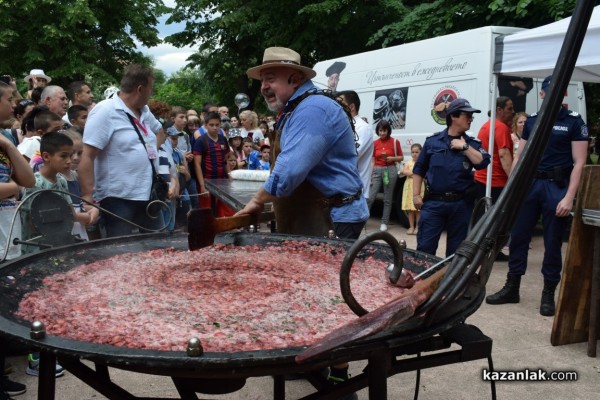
(339, 200)
(557, 173)
(448, 196)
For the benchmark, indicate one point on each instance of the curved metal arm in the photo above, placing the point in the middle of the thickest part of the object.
(349, 260)
(150, 212)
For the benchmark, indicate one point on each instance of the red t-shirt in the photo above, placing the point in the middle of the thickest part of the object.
(502, 140)
(381, 146)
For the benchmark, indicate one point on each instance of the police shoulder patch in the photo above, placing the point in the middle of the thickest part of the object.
(574, 114)
(533, 115)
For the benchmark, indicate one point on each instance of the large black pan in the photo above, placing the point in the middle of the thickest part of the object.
(31, 270)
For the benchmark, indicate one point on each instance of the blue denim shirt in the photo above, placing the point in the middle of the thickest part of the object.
(317, 145)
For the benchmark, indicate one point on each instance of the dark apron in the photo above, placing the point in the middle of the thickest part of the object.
(305, 212)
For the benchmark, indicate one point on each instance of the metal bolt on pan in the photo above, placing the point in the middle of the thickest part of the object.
(38, 330)
(194, 348)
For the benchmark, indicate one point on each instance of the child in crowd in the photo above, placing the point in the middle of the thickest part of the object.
(44, 121)
(178, 116)
(73, 181)
(168, 170)
(235, 143)
(264, 127)
(232, 162)
(193, 123)
(78, 117)
(259, 160)
(407, 192)
(183, 201)
(56, 149)
(210, 153)
(247, 149)
(265, 157)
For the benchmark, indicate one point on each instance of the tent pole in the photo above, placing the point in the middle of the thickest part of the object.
(494, 89)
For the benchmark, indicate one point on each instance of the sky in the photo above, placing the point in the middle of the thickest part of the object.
(166, 56)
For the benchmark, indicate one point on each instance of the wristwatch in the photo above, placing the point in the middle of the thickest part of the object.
(465, 147)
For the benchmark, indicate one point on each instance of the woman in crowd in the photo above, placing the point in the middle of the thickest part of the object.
(517, 128)
(386, 153)
(249, 122)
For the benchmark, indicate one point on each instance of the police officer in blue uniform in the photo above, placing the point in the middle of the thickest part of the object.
(551, 195)
(447, 160)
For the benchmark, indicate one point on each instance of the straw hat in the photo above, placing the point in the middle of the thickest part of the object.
(38, 73)
(280, 57)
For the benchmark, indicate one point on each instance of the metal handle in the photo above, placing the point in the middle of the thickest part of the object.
(349, 260)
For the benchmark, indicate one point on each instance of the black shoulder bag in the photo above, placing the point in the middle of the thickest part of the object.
(160, 187)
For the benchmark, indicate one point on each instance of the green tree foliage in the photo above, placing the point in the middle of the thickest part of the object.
(426, 19)
(76, 39)
(185, 88)
(232, 34)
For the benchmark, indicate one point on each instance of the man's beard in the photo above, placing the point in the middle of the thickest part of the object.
(278, 106)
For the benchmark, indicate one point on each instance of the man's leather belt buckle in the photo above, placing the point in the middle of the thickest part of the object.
(339, 200)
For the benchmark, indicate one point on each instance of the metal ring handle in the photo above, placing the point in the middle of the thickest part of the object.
(349, 260)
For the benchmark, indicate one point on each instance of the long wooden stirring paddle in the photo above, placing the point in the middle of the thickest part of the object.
(396, 311)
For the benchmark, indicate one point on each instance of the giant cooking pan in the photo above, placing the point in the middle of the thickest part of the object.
(31, 270)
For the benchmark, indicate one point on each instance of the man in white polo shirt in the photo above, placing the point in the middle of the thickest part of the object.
(115, 164)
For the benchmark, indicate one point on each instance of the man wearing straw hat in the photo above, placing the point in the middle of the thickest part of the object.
(314, 183)
(314, 180)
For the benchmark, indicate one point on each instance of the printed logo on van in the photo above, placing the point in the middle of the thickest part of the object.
(441, 101)
(390, 105)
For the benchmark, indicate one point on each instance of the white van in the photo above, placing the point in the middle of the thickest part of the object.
(407, 85)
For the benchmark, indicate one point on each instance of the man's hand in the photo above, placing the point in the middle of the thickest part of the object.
(564, 207)
(252, 207)
(257, 203)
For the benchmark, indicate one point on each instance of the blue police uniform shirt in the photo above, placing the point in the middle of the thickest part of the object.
(317, 145)
(569, 127)
(448, 170)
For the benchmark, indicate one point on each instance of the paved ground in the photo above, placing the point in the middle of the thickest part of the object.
(521, 340)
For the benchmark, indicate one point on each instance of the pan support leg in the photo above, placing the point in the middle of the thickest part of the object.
(47, 378)
(278, 387)
(378, 370)
(594, 306)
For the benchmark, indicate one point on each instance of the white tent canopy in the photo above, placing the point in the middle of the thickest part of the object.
(533, 53)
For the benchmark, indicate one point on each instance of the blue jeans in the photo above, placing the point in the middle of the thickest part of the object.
(168, 214)
(388, 190)
(192, 189)
(131, 210)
